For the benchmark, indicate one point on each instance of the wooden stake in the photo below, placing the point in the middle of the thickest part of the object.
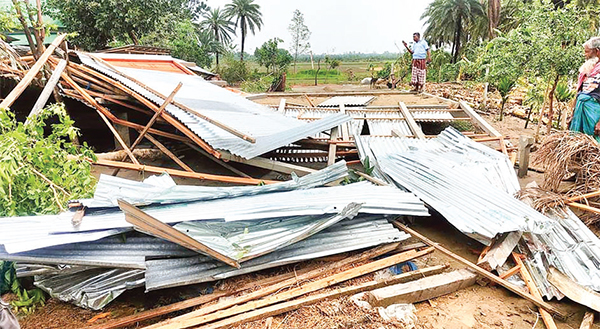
(33, 71)
(483, 272)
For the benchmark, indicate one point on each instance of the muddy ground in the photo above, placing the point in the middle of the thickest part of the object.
(475, 307)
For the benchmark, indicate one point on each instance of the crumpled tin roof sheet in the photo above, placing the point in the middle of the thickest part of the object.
(317, 201)
(161, 189)
(270, 129)
(244, 240)
(348, 235)
(119, 251)
(93, 288)
(462, 181)
(347, 101)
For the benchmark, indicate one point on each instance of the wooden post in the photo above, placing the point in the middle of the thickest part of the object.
(335, 133)
(122, 131)
(345, 128)
(525, 143)
(33, 71)
(537, 301)
(45, 95)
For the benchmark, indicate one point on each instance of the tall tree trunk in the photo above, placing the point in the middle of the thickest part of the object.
(217, 52)
(494, 8)
(243, 26)
(26, 29)
(457, 39)
(133, 38)
(551, 108)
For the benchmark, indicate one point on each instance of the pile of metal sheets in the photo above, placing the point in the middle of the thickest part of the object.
(93, 261)
(473, 187)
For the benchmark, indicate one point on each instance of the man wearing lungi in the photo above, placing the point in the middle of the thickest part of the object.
(421, 56)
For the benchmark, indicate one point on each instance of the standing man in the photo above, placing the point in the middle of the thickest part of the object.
(421, 56)
(586, 116)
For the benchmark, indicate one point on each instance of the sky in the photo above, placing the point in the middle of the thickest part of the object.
(339, 26)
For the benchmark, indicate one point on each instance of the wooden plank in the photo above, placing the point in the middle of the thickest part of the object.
(269, 164)
(194, 318)
(372, 179)
(281, 108)
(309, 101)
(269, 289)
(479, 121)
(33, 71)
(180, 105)
(331, 155)
(422, 289)
(500, 251)
(181, 173)
(412, 124)
(192, 302)
(93, 102)
(482, 272)
(584, 196)
(573, 290)
(584, 207)
(337, 292)
(153, 226)
(48, 88)
(345, 128)
(588, 321)
(533, 289)
(511, 272)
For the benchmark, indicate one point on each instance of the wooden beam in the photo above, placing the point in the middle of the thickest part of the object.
(422, 289)
(573, 290)
(511, 272)
(331, 155)
(153, 226)
(48, 89)
(98, 107)
(33, 71)
(218, 161)
(525, 143)
(192, 319)
(500, 251)
(412, 124)
(180, 105)
(483, 272)
(180, 173)
(269, 164)
(584, 207)
(533, 289)
(345, 128)
(479, 121)
(337, 292)
(270, 289)
(309, 101)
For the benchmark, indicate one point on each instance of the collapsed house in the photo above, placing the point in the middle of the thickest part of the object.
(157, 235)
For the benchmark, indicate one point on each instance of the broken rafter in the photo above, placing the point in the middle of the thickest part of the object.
(33, 71)
(180, 173)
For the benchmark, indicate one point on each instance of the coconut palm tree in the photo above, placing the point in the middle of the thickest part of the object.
(449, 20)
(247, 16)
(219, 25)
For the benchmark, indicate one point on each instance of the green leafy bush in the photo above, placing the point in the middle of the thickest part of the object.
(40, 172)
(234, 71)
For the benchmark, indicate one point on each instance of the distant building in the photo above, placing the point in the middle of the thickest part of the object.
(17, 36)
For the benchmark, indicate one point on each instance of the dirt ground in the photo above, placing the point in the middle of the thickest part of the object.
(474, 307)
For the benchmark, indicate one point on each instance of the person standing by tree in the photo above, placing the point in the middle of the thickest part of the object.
(421, 56)
(586, 116)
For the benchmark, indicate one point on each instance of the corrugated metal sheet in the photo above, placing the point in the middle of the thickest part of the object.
(116, 252)
(270, 129)
(347, 101)
(243, 241)
(356, 234)
(163, 190)
(317, 201)
(93, 288)
(431, 116)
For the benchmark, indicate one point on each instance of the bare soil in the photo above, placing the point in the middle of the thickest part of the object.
(475, 307)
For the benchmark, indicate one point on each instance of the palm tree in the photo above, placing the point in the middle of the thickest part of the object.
(219, 26)
(449, 20)
(247, 16)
